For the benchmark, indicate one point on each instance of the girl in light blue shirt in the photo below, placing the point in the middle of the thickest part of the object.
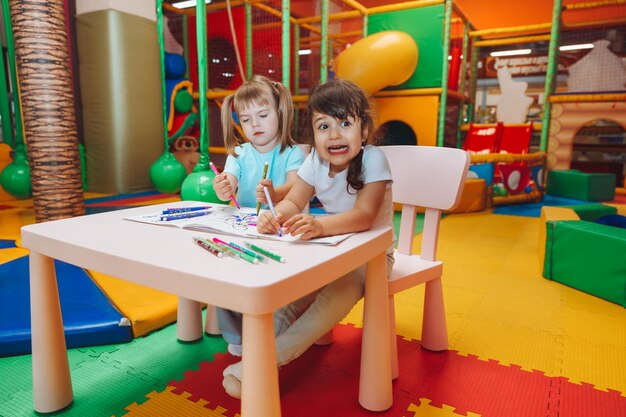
(265, 112)
(264, 109)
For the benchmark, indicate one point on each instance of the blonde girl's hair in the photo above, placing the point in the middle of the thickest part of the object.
(258, 90)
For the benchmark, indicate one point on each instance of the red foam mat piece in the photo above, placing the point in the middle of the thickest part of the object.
(324, 382)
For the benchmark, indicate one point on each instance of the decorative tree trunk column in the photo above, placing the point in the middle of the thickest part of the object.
(42, 60)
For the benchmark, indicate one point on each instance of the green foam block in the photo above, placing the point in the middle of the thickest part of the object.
(578, 185)
(587, 256)
(592, 211)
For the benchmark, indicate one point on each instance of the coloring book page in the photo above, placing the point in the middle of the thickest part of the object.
(228, 220)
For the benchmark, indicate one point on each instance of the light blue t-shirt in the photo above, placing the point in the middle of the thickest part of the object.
(248, 169)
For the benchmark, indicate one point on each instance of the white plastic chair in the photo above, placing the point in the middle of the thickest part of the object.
(432, 178)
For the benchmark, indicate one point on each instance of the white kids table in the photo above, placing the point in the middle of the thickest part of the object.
(167, 259)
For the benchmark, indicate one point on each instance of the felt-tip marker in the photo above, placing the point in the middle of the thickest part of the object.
(247, 251)
(176, 210)
(265, 252)
(207, 246)
(178, 216)
(239, 253)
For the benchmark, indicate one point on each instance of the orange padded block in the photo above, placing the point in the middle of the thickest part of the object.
(474, 197)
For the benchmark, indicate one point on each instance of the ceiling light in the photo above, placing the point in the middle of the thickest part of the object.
(304, 52)
(187, 4)
(576, 47)
(512, 52)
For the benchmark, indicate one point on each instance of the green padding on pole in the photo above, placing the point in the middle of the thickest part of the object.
(425, 25)
(587, 256)
(121, 95)
(592, 211)
(578, 185)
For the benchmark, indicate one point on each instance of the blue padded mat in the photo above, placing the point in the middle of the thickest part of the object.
(7, 244)
(534, 209)
(89, 318)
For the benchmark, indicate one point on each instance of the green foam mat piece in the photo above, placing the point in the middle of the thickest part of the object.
(106, 379)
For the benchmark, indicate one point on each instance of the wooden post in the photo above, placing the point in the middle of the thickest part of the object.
(48, 112)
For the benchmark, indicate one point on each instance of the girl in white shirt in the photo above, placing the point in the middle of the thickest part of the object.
(352, 180)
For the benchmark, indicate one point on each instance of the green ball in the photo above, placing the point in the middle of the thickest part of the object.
(167, 174)
(15, 179)
(198, 186)
(183, 102)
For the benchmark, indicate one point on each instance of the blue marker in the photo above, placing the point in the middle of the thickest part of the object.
(179, 216)
(184, 209)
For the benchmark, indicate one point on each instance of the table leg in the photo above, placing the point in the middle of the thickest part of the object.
(52, 384)
(375, 392)
(189, 320)
(260, 395)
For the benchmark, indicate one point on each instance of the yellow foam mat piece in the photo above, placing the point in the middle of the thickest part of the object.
(12, 220)
(530, 349)
(603, 366)
(424, 409)
(9, 254)
(147, 309)
(603, 327)
(168, 404)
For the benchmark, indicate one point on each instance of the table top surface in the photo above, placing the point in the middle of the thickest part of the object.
(167, 258)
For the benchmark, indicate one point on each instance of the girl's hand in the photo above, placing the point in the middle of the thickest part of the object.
(304, 225)
(260, 194)
(222, 187)
(268, 224)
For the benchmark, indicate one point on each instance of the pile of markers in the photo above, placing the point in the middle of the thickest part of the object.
(251, 253)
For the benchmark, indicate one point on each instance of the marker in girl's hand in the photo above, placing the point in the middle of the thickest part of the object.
(232, 196)
(271, 205)
(258, 205)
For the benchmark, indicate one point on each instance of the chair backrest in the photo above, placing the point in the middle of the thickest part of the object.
(425, 176)
(515, 139)
(482, 139)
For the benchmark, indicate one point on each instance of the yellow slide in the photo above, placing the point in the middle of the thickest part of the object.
(377, 61)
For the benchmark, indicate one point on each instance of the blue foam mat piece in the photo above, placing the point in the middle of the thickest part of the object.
(89, 318)
(7, 244)
(534, 209)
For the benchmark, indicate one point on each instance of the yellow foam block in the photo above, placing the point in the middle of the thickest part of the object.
(621, 208)
(549, 213)
(474, 198)
(146, 308)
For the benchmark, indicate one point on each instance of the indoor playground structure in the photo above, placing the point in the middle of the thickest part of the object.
(535, 278)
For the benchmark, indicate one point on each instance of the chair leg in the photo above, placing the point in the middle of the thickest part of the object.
(393, 343)
(211, 326)
(327, 339)
(434, 332)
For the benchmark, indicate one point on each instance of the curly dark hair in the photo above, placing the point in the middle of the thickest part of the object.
(341, 99)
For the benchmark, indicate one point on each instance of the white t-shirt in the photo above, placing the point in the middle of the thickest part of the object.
(333, 192)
